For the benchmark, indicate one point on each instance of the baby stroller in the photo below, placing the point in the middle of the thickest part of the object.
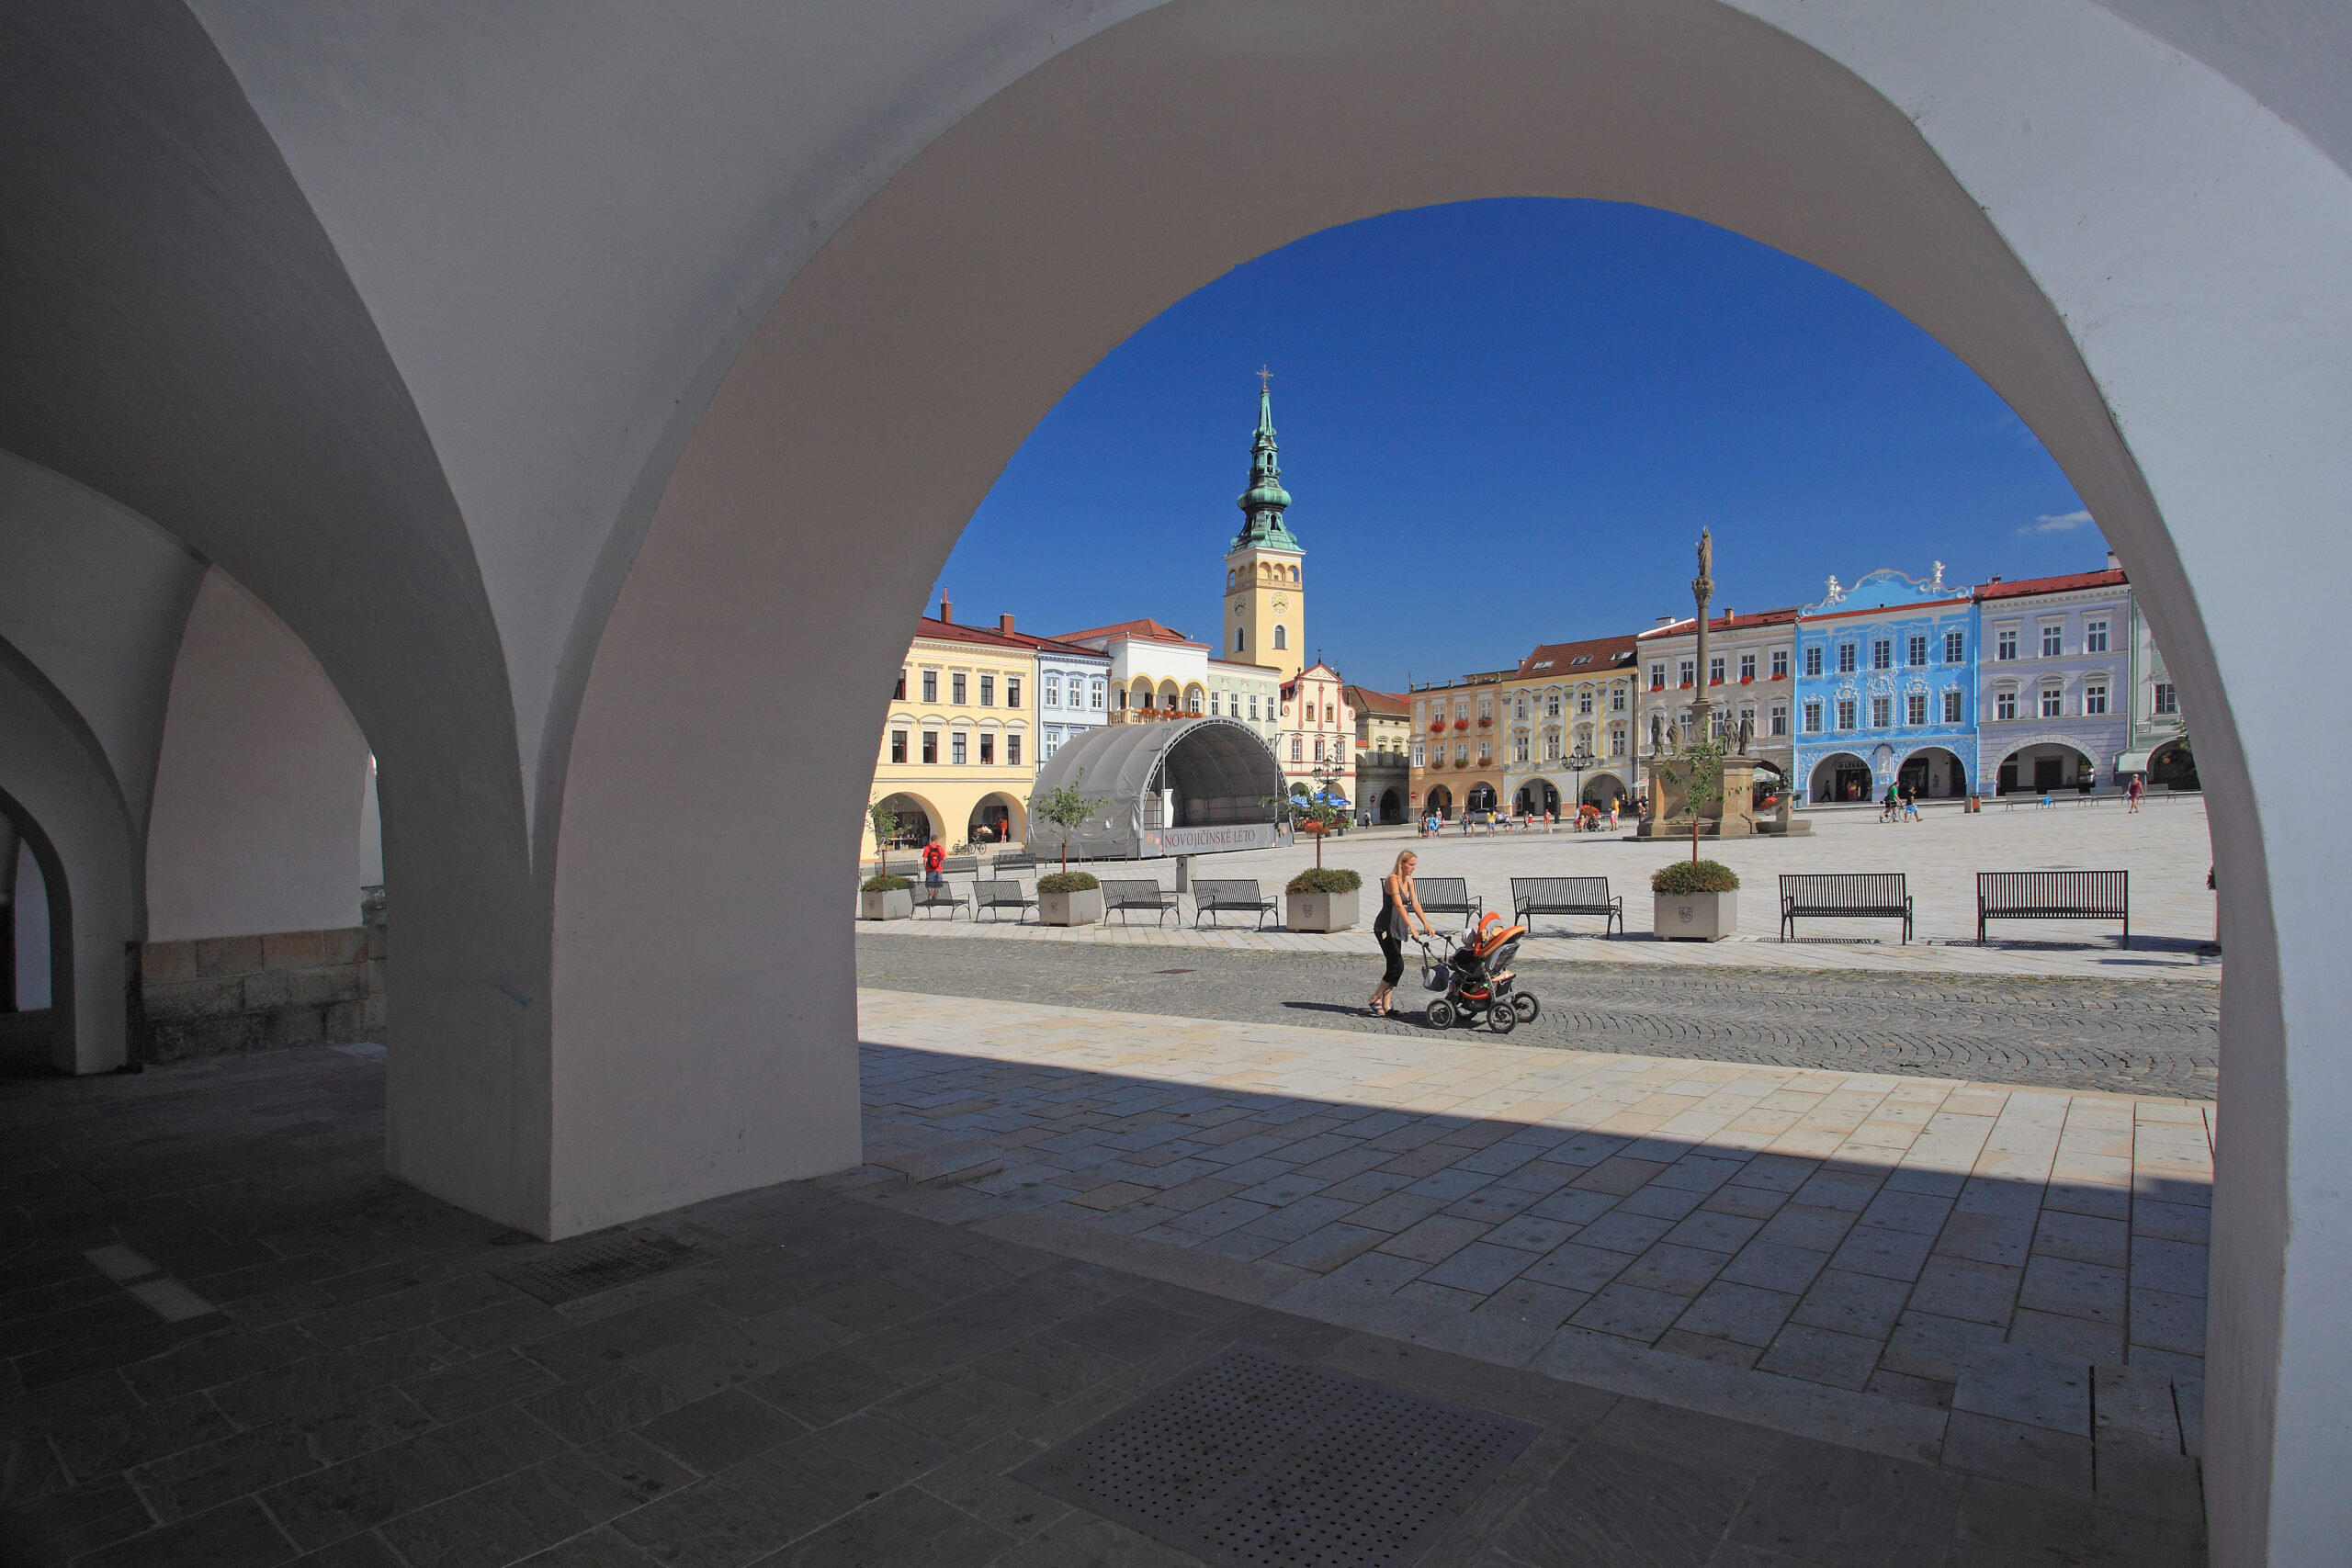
(1476, 980)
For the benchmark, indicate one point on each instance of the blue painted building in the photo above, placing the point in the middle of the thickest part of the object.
(1887, 689)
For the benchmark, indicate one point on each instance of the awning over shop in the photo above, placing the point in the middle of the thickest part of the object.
(2134, 761)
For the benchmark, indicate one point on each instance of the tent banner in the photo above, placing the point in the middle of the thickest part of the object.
(1160, 841)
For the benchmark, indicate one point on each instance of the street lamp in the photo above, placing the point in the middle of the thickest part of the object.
(1583, 759)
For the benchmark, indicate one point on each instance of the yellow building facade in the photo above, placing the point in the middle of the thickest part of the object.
(958, 752)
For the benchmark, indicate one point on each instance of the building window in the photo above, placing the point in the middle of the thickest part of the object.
(1813, 716)
(1217, 703)
(1485, 752)
(2005, 644)
(1240, 639)
(1053, 692)
(1583, 700)
(1520, 710)
(931, 686)
(1848, 659)
(898, 745)
(1747, 667)
(987, 691)
(1461, 752)
(1657, 677)
(1846, 708)
(1882, 711)
(901, 694)
(2095, 638)
(1955, 647)
(1282, 636)
(931, 747)
(1420, 753)
(1519, 749)
(955, 688)
(2053, 641)
(1779, 664)
(1715, 671)
(1013, 691)
(956, 748)
(1914, 705)
(1688, 670)
(2005, 705)
(1951, 705)
(1319, 747)
(1882, 654)
(1551, 706)
(1098, 695)
(1617, 700)
(1298, 750)
(2054, 703)
(1193, 701)
(2094, 697)
(1917, 650)
(1616, 739)
(2168, 700)
(1551, 747)
(1780, 718)
(988, 750)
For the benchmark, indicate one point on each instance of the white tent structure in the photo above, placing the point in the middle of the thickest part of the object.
(1187, 786)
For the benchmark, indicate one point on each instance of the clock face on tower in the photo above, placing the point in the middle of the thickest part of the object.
(1281, 602)
(1240, 605)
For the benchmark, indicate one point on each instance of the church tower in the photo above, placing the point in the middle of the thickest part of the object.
(1265, 589)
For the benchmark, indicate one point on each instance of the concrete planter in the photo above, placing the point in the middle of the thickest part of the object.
(1695, 917)
(899, 904)
(1322, 911)
(1083, 907)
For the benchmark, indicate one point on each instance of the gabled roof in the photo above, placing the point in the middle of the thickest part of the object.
(2111, 577)
(1724, 623)
(987, 637)
(1143, 629)
(1364, 700)
(1055, 646)
(1589, 657)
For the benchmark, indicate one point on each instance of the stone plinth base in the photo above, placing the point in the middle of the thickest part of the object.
(257, 993)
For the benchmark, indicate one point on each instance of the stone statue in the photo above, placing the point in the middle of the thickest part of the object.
(1938, 581)
(1834, 589)
(1706, 553)
(1747, 732)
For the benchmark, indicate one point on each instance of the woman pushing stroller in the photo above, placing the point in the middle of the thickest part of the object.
(1399, 906)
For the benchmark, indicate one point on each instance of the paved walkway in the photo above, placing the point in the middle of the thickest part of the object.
(2166, 848)
(1928, 1268)
(227, 1338)
(2133, 1034)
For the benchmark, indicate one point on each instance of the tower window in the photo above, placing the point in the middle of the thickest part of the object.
(1282, 637)
(1241, 638)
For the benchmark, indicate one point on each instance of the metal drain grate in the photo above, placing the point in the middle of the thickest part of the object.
(1256, 1460)
(591, 1267)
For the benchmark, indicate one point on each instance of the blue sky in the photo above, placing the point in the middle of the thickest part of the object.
(1503, 423)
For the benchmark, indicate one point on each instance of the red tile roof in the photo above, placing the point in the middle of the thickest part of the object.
(1364, 700)
(949, 631)
(1559, 657)
(1145, 629)
(1731, 622)
(2110, 578)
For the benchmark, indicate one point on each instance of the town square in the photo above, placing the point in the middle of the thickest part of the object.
(1193, 784)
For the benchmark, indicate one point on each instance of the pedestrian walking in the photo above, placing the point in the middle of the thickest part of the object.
(1910, 804)
(933, 860)
(1399, 906)
(2132, 794)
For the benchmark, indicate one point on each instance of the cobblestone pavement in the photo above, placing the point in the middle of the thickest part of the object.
(2141, 1036)
(1914, 1266)
(327, 1368)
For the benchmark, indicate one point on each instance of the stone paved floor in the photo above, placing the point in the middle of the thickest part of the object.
(2166, 847)
(2137, 1036)
(311, 1363)
(1910, 1264)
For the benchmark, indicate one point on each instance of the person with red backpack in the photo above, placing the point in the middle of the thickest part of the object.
(933, 860)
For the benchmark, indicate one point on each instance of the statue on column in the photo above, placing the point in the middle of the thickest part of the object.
(1746, 733)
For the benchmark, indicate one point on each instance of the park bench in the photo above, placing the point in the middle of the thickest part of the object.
(944, 895)
(1001, 892)
(1845, 894)
(1124, 896)
(1564, 895)
(1214, 898)
(2054, 895)
(1013, 860)
(1447, 896)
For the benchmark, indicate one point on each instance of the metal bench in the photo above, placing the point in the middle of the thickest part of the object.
(1845, 894)
(1013, 860)
(1564, 895)
(1214, 898)
(1001, 892)
(2054, 895)
(943, 896)
(1447, 896)
(1124, 896)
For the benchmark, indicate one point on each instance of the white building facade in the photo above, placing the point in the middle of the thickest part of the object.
(2054, 681)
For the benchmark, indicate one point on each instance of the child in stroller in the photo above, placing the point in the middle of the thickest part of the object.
(1476, 980)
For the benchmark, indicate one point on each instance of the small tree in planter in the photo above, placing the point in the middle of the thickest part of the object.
(1694, 900)
(1699, 770)
(1067, 808)
(1323, 899)
(886, 827)
(1310, 817)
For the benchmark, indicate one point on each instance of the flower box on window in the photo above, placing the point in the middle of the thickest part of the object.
(1748, 680)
